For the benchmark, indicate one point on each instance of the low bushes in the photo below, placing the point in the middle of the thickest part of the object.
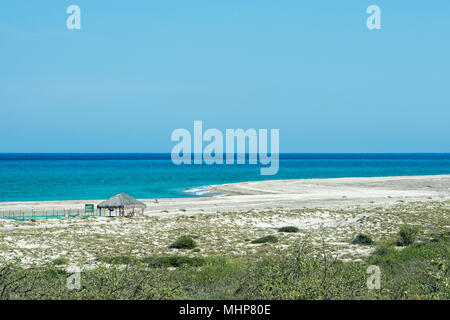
(175, 261)
(154, 261)
(289, 229)
(407, 235)
(363, 239)
(415, 272)
(60, 261)
(266, 239)
(185, 242)
(118, 260)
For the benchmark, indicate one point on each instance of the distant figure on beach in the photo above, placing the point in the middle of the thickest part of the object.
(156, 201)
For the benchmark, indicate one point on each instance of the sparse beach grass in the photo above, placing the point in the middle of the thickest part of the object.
(81, 241)
(224, 245)
(417, 272)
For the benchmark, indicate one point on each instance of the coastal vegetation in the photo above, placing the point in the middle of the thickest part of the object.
(289, 229)
(266, 239)
(60, 261)
(407, 235)
(417, 272)
(363, 239)
(185, 242)
(214, 256)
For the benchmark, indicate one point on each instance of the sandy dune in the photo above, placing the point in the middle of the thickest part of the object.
(245, 211)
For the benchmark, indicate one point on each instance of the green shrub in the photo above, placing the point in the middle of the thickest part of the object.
(289, 229)
(266, 239)
(382, 250)
(363, 239)
(300, 275)
(118, 260)
(407, 235)
(184, 242)
(415, 272)
(175, 261)
(52, 272)
(60, 261)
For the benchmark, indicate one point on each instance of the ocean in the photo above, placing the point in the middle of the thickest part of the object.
(34, 177)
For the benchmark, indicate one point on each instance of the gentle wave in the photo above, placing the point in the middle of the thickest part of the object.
(201, 191)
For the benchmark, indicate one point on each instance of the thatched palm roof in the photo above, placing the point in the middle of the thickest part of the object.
(121, 200)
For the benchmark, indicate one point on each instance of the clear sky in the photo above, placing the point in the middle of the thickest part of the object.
(137, 70)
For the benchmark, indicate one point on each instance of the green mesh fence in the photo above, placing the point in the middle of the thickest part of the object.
(42, 215)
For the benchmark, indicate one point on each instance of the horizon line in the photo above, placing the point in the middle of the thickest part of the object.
(192, 153)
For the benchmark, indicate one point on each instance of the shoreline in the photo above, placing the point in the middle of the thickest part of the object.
(289, 193)
(331, 211)
(208, 190)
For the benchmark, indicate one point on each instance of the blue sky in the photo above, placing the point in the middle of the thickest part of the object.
(137, 70)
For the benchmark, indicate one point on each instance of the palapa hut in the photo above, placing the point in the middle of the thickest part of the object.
(122, 202)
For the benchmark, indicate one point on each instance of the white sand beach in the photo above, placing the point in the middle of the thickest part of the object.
(331, 211)
(289, 194)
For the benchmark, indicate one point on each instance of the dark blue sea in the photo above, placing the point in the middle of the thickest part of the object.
(27, 177)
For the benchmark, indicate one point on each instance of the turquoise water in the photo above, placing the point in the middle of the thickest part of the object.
(27, 177)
